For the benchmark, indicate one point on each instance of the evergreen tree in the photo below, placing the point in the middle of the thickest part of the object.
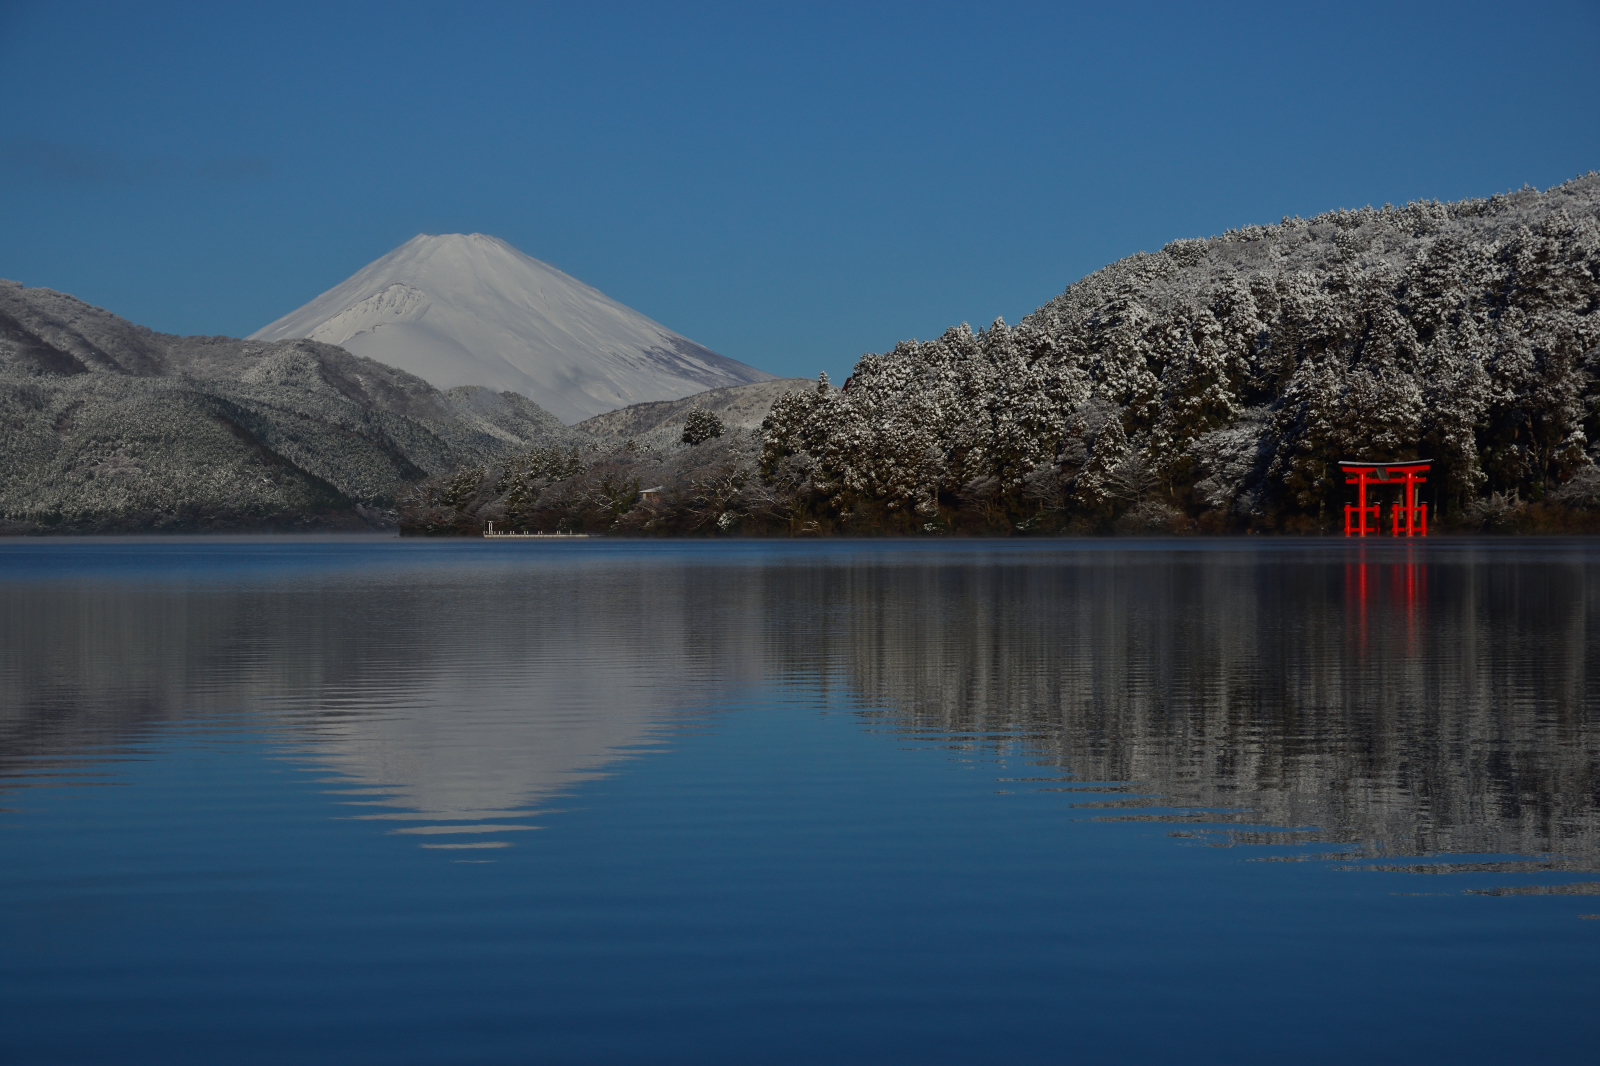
(700, 426)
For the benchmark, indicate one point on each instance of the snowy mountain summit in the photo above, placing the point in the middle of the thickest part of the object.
(468, 309)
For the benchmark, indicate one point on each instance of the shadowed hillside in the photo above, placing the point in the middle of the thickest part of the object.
(109, 426)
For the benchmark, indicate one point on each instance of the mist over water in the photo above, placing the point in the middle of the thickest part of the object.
(387, 801)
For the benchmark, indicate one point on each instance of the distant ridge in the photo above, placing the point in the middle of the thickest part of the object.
(106, 426)
(469, 309)
(738, 406)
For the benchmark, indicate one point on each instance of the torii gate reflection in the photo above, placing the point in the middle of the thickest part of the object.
(1404, 577)
(1407, 519)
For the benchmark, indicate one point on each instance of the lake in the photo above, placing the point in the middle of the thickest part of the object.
(379, 801)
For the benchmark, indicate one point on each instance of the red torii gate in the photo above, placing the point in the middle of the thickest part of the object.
(1408, 519)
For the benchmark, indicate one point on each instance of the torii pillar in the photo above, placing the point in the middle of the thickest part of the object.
(1359, 475)
(1410, 520)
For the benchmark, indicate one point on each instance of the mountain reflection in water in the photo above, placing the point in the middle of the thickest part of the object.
(902, 802)
(1419, 700)
(453, 699)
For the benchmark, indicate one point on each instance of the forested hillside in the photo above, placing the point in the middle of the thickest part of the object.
(1215, 384)
(666, 468)
(1209, 387)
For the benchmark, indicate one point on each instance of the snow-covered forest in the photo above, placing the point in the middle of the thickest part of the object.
(1215, 384)
(1212, 386)
(687, 467)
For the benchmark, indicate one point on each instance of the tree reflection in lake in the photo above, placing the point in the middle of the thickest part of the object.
(1410, 700)
(295, 728)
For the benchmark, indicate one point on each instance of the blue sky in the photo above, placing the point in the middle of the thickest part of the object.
(789, 185)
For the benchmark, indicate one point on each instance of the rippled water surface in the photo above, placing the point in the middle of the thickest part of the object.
(351, 801)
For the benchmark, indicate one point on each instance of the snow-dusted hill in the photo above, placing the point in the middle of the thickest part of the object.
(106, 426)
(738, 406)
(463, 309)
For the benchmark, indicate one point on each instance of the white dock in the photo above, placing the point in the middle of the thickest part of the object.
(525, 535)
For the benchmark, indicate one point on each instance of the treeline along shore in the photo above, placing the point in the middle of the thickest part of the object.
(1210, 387)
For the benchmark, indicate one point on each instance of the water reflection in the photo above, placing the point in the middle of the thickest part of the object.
(454, 700)
(1406, 701)
(1411, 701)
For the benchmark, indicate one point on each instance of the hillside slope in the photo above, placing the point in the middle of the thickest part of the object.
(738, 406)
(105, 425)
(1217, 383)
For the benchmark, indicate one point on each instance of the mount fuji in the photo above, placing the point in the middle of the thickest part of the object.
(469, 309)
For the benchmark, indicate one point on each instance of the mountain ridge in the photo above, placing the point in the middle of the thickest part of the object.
(737, 406)
(470, 309)
(110, 426)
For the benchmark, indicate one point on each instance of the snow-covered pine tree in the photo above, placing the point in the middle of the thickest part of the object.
(700, 426)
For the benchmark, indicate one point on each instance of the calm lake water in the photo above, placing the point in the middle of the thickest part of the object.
(371, 801)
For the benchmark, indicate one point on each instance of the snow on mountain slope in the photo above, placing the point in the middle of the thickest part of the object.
(464, 309)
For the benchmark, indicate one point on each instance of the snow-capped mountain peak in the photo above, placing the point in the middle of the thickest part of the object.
(469, 309)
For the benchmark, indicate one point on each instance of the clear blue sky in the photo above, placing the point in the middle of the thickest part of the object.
(791, 186)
